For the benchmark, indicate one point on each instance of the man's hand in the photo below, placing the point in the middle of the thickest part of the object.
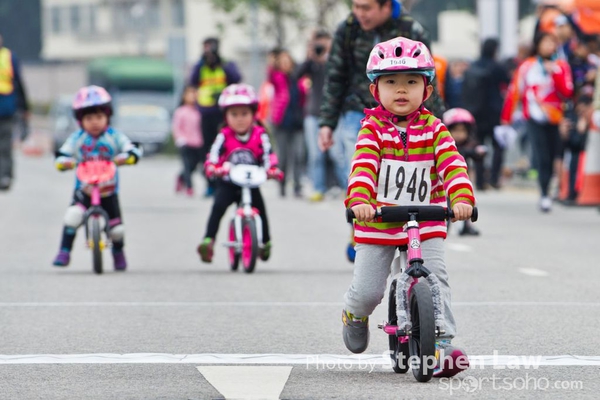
(363, 212)
(462, 212)
(325, 138)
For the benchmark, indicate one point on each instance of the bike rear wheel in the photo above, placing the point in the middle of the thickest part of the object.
(96, 246)
(250, 245)
(398, 351)
(234, 254)
(422, 337)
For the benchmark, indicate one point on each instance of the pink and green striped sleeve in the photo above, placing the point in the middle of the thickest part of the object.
(365, 169)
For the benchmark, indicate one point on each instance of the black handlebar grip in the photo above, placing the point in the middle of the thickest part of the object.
(350, 215)
(475, 215)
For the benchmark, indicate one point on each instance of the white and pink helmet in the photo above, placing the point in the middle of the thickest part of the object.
(400, 55)
(238, 94)
(458, 116)
(91, 97)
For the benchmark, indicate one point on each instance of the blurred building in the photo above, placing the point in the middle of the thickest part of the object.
(20, 27)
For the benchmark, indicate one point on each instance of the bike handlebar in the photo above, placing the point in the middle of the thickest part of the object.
(403, 213)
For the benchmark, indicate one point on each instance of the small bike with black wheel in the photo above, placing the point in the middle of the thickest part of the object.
(94, 174)
(415, 308)
(245, 228)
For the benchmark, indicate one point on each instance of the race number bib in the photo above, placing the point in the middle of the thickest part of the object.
(404, 183)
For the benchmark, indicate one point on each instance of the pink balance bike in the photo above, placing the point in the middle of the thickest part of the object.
(415, 307)
(96, 173)
(245, 228)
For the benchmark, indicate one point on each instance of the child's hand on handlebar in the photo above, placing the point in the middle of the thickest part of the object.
(275, 173)
(363, 212)
(65, 163)
(122, 159)
(462, 212)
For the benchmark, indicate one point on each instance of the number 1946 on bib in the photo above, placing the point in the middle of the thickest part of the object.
(404, 183)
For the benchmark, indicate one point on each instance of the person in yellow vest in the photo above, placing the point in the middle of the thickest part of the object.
(211, 75)
(12, 97)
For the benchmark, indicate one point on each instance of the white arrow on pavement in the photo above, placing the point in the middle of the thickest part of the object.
(265, 383)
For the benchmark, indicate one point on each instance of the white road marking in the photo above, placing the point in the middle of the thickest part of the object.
(279, 304)
(247, 382)
(462, 248)
(286, 359)
(533, 272)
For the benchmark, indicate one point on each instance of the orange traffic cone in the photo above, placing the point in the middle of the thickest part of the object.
(590, 184)
(563, 193)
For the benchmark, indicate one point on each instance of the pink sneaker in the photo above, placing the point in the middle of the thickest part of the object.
(189, 192)
(179, 185)
(451, 360)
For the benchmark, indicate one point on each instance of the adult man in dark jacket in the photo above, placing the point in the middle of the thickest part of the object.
(485, 101)
(211, 75)
(12, 94)
(346, 92)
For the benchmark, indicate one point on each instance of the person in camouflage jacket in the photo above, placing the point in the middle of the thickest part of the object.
(346, 92)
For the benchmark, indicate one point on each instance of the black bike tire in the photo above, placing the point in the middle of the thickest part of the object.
(422, 338)
(251, 224)
(96, 250)
(398, 351)
(234, 261)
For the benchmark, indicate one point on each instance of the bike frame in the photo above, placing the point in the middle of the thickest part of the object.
(96, 211)
(245, 210)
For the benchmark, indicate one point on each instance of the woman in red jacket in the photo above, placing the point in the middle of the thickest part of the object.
(539, 90)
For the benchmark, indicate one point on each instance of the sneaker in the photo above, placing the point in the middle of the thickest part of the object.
(189, 192)
(316, 197)
(179, 185)
(355, 332)
(205, 249)
(546, 204)
(119, 260)
(450, 360)
(62, 259)
(350, 252)
(5, 183)
(265, 251)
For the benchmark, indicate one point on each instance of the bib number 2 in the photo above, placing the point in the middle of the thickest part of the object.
(403, 183)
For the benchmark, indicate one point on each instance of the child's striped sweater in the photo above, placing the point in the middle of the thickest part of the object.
(430, 144)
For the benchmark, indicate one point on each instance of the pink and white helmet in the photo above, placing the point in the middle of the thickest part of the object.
(458, 116)
(238, 94)
(91, 97)
(400, 55)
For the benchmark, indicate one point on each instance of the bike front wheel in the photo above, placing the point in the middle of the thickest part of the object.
(398, 350)
(234, 254)
(96, 246)
(422, 337)
(249, 245)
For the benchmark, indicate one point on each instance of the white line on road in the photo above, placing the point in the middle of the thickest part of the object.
(279, 304)
(462, 248)
(533, 272)
(286, 359)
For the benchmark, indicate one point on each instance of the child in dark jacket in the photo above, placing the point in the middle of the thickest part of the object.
(461, 125)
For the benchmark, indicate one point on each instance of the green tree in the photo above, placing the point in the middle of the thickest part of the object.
(278, 11)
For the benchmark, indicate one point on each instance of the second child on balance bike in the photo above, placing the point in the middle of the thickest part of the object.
(404, 155)
(243, 140)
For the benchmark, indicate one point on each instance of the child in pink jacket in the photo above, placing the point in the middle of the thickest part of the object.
(188, 138)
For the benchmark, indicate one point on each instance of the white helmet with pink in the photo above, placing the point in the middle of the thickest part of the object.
(400, 55)
(238, 94)
(458, 116)
(91, 97)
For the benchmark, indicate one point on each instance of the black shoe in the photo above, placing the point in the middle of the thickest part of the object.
(468, 230)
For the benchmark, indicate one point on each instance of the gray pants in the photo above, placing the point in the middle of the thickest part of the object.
(6, 161)
(290, 152)
(372, 268)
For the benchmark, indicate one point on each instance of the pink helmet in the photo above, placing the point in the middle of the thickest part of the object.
(238, 94)
(91, 97)
(400, 55)
(458, 116)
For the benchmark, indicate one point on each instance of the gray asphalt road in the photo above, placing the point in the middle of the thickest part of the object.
(527, 286)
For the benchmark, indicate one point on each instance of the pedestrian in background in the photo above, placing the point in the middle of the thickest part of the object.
(314, 69)
(12, 94)
(211, 75)
(540, 88)
(287, 118)
(188, 138)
